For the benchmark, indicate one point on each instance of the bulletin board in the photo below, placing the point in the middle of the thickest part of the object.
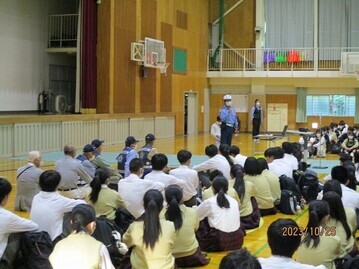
(179, 61)
(277, 116)
(240, 102)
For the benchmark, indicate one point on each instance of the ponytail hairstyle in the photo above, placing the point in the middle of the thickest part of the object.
(81, 216)
(174, 195)
(101, 176)
(337, 210)
(318, 209)
(153, 204)
(224, 150)
(220, 187)
(239, 185)
(214, 174)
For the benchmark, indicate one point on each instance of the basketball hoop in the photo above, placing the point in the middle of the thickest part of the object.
(162, 67)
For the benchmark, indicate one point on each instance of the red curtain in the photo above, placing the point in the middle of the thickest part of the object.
(88, 54)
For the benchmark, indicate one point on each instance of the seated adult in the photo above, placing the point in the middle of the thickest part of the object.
(188, 175)
(283, 246)
(28, 181)
(11, 226)
(104, 200)
(263, 194)
(220, 220)
(319, 243)
(276, 163)
(133, 188)
(240, 259)
(146, 152)
(126, 155)
(186, 249)
(85, 158)
(80, 249)
(216, 161)
(49, 207)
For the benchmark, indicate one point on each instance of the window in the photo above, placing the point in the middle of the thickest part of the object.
(331, 105)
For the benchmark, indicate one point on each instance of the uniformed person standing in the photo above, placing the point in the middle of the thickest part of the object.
(256, 117)
(229, 120)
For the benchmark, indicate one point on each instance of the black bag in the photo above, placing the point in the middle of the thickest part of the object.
(288, 203)
(309, 185)
(287, 183)
(123, 219)
(104, 233)
(347, 262)
(336, 148)
(35, 248)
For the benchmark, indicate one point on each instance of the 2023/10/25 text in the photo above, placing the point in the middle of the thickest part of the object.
(313, 231)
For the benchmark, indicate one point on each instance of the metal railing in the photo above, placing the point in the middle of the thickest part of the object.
(63, 31)
(296, 59)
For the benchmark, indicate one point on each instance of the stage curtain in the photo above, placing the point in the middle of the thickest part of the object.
(88, 54)
(301, 115)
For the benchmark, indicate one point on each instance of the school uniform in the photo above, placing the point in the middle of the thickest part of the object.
(351, 218)
(240, 159)
(325, 253)
(218, 162)
(346, 244)
(273, 182)
(291, 161)
(160, 176)
(208, 193)
(158, 257)
(190, 177)
(279, 262)
(350, 198)
(263, 193)
(107, 203)
(220, 227)
(280, 167)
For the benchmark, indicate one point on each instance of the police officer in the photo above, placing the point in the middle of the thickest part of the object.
(126, 155)
(229, 120)
(146, 153)
(256, 117)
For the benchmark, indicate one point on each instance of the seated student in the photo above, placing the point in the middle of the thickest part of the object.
(104, 200)
(350, 144)
(288, 155)
(80, 249)
(224, 151)
(276, 163)
(186, 250)
(49, 207)
(151, 238)
(216, 161)
(319, 243)
(11, 226)
(338, 222)
(248, 207)
(271, 178)
(220, 224)
(319, 145)
(235, 152)
(283, 246)
(240, 259)
(28, 181)
(263, 194)
(188, 175)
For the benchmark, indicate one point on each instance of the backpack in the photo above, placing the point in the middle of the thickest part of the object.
(287, 183)
(106, 232)
(336, 148)
(35, 248)
(309, 185)
(347, 262)
(288, 203)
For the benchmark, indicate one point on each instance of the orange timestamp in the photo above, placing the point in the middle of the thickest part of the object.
(313, 231)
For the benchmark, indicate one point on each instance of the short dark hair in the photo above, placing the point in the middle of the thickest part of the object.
(49, 180)
(135, 165)
(278, 152)
(183, 156)
(251, 166)
(340, 173)
(159, 161)
(263, 165)
(211, 150)
(269, 152)
(333, 185)
(287, 147)
(5, 188)
(234, 150)
(279, 242)
(240, 259)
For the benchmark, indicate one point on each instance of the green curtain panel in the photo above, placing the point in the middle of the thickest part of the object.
(356, 116)
(301, 115)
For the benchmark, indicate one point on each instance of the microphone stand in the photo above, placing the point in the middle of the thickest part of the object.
(320, 140)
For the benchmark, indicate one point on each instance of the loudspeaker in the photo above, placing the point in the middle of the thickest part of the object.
(143, 72)
(60, 104)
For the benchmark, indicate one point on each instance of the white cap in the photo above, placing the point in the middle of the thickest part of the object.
(227, 97)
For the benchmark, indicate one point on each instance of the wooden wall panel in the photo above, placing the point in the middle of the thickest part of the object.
(103, 57)
(124, 68)
(166, 80)
(148, 29)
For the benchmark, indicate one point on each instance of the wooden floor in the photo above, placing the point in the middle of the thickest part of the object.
(255, 242)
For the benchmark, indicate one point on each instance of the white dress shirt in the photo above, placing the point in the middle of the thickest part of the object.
(132, 190)
(240, 159)
(350, 198)
(224, 219)
(11, 223)
(48, 209)
(160, 176)
(216, 133)
(291, 161)
(218, 162)
(279, 167)
(279, 262)
(190, 177)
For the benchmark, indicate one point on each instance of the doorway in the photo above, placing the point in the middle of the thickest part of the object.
(190, 113)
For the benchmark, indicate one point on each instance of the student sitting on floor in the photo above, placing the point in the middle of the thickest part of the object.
(220, 224)
(319, 243)
(240, 259)
(283, 241)
(263, 194)
(151, 238)
(350, 144)
(271, 178)
(186, 250)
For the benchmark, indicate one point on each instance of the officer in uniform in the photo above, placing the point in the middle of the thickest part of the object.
(256, 117)
(229, 120)
(146, 153)
(126, 155)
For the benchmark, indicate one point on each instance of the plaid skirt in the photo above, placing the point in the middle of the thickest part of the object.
(211, 239)
(251, 221)
(196, 259)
